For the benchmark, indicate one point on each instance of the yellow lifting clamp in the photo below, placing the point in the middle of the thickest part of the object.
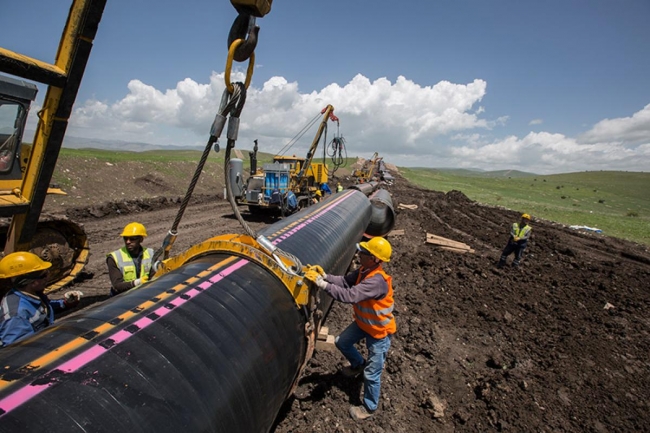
(257, 8)
(247, 248)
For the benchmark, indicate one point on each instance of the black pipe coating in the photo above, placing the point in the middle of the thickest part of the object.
(214, 345)
(382, 219)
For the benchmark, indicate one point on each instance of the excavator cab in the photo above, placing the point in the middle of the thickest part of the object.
(16, 97)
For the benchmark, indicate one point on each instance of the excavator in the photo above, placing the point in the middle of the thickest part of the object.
(288, 183)
(55, 239)
(219, 338)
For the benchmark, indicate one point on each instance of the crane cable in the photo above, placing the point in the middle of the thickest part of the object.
(232, 103)
(298, 135)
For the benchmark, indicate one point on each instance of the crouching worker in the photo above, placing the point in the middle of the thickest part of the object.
(370, 290)
(131, 265)
(25, 308)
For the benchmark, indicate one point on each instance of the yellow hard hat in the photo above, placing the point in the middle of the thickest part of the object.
(378, 247)
(525, 216)
(318, 193)
(134, 229)
(21, 263)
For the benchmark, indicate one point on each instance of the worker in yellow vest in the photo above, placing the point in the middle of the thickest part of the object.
(370, 290)
(517, 242)
(131, 265)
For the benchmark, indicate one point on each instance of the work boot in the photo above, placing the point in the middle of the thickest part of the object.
(349, 371)
(501, 263)
(359, 413)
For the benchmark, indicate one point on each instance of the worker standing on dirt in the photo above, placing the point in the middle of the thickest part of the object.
(339, 187)
(370, 290)
(131, 265)
(519, 235)
(25, 308)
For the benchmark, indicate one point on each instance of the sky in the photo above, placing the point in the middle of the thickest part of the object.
(550, 86)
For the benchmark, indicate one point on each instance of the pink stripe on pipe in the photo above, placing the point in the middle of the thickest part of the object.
(27, 392)
(311, 219)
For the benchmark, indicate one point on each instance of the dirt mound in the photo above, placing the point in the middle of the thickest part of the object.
(153, 184)
(560, 344)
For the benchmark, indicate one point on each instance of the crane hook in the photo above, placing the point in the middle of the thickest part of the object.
(244, 25)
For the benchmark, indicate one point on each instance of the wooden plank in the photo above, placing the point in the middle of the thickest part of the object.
(327, 345)
(396, 233)
(407, 206)
(439, 240)
(457, 250)
(238, 154)
(323, 333)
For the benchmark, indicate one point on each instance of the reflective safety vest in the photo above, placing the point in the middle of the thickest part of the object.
(38, 313)
(125, 263)
(339, 188)
(374, 316)
(522, 233)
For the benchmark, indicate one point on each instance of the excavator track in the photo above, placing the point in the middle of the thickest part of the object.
(59, 241)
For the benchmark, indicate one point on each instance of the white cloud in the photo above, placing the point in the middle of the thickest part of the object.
(626, 129)
(407, 123)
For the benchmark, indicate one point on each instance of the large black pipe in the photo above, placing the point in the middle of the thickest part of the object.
(215, 345)
(382, 219)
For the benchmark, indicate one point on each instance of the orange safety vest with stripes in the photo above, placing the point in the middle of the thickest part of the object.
(375, 317)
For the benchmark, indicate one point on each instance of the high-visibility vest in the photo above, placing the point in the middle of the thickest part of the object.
(125, 263)
(373, 316)
(522, 233)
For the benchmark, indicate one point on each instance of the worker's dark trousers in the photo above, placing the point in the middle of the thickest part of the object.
(512, 247)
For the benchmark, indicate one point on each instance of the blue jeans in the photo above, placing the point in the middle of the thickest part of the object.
(377, 351)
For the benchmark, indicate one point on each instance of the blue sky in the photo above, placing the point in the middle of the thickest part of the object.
(544, 86)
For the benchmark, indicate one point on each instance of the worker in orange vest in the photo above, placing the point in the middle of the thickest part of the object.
(370, 290)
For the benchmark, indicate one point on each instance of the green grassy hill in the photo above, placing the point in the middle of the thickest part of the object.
(616, 202)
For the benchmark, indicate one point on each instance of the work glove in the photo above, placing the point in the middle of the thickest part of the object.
(316, 268)
(72, 298)
(316, 278)
(143, 279)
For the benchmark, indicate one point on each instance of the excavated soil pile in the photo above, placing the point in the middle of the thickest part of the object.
(560, 344)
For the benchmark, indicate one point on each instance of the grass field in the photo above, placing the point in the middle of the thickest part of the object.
(616, 202)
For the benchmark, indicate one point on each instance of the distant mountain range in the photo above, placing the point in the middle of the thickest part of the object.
(477, 172)
(118, 145)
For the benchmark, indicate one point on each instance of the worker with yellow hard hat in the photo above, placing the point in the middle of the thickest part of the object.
(317, 196)
(131, 265)
(517, 242)
(25, 308)
(339, 187)
(370, 290)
